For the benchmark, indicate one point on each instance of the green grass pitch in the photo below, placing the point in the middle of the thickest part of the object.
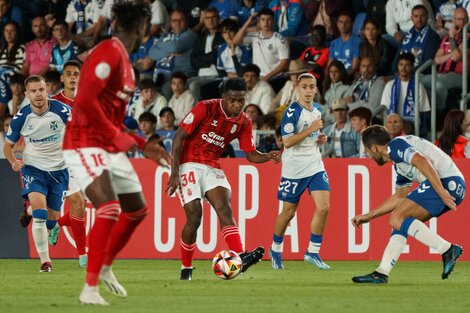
(153, 287)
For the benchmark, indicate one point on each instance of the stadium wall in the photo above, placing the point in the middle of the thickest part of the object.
(357, 185)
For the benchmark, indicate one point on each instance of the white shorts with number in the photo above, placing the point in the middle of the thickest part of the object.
(196, 179)
(74, 187)
(86, 164)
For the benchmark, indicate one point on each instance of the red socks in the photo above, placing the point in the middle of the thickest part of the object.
(79, 233)
(122, 232)
(106, 216)
(64, 220)
(232, 238)
(187, 251)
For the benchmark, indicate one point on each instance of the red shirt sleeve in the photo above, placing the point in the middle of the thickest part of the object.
(247, 143)
(194, 118)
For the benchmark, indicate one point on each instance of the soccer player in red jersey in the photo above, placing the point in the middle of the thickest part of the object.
(196, 173)
(95, 147)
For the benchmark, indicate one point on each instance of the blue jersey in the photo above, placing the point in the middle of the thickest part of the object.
(43, 135)
(287, 16)
(223, 6)
(225, 61)
(402, 149)
(345, 51)
(241, 12)
(304, 159)
(6, 71)
(142, 52)
(60, 56)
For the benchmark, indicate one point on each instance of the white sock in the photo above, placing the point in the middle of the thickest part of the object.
(277, 247)
(29, 211)
(314, 247)
(423, 234)
(392, 252)
(39, 231)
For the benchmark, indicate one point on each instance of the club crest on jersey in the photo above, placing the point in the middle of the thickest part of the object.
(189, 118)
(289, 128)
(214, 123)
(53, 125)
(234, 128)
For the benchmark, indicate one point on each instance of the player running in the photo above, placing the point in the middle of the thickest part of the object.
(195, 172)
(441, 188)
(95, 147)
(302, 168)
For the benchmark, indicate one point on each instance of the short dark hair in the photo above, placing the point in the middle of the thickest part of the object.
(129, 16)
(234, 84)
(250, 67)
(148, 117)
(269, 120)
(17, 79)
(419, 7)
(147, 83)
(50, 76)
(60, 23)
(229, 25)
(180, 75)
(35, 79)
(75, 63)
(345, 13)
(407, 56)
(266, 11)
(375, 135)
(212, 9)
(166, 109)
(362, 113)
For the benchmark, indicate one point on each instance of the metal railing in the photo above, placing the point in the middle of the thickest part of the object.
(421, 69)
(463, 101)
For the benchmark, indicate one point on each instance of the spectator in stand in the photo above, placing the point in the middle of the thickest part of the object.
(240, 10)
(160, 19)
(421, 40)
(449, 61)
(287, 16)
(399, 20)
(140, 60)
(346, 48)
(270, 49)
(255, 114)
(13, 13)
(267, 142)
(12, 52)
(172, 52)
(445, 17)
(148, 124)
(167, 119)
(394, 125)
(222, 6)
(204, 55)
(375, 10)
(334, 87)
(149, 100)
(317, 54)
(258, 91)
(182, 100)
(65, 49)
(82, 17)
(399, 94)
(325, 13)
(374, 46)
(367, 90)
(343, 141)
(53, 83)
(360, 119)
(38, 51)
(452, 139)
(18, 97)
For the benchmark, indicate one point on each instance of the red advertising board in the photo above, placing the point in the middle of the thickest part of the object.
(357, 185)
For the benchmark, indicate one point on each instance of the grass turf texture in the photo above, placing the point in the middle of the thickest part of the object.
(153, 286)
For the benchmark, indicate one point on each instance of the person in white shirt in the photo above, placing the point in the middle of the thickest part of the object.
(182, 100)
(146, 100)
(258, 92)
(160, 19)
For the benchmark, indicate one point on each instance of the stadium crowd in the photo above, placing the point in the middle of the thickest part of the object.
(363, 54)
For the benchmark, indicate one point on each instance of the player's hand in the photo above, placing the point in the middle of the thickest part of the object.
(322, 139)
(448, 200)
(17, 165)
(316, 125)
(358, 220)
(274, 156)
(172, 184)
(155, 152)
(124, 142)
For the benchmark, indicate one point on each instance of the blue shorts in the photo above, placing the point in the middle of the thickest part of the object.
(51, 184)
(290, 190)
(427, 197)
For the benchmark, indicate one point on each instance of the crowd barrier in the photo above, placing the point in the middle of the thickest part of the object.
(357, 185)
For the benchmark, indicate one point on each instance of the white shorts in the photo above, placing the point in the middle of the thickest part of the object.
(196, 179)
(74, 187)
(86, 164)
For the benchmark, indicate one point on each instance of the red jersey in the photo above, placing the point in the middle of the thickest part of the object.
(62, 98)
(105, 87)
(211, 130)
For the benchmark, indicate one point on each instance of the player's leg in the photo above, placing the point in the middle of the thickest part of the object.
(39, 229)
(193, 212)
(58, 182)
(78, 224)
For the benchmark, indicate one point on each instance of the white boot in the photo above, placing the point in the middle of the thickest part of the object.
(91, 295)
(111, 283)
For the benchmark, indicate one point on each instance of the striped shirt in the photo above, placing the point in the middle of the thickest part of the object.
(19, 58)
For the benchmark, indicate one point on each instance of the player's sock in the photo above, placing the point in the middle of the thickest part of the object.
(392, 252)
(315, 243)
(39, 231)
(79, 232)
(232, 238)
(65, 220)
(422, 233)
(106, 216)
(50, 224)
(278, 243)
(187, 251)
(122, 232)
(29, 210)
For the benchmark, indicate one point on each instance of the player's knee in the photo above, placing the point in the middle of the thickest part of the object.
(289, 214)
(323, 209)
(193, 220)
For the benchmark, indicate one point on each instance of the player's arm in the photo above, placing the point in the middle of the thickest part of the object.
(258, 157)
(296, 138)
(386, 207)
(428, 170)
(176, 150)
(16, 164)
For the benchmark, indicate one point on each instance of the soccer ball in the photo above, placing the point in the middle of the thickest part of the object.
(227, 264)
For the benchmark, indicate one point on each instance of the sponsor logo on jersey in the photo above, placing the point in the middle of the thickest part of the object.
(214, 123)
(214, 139)
(47, 139)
